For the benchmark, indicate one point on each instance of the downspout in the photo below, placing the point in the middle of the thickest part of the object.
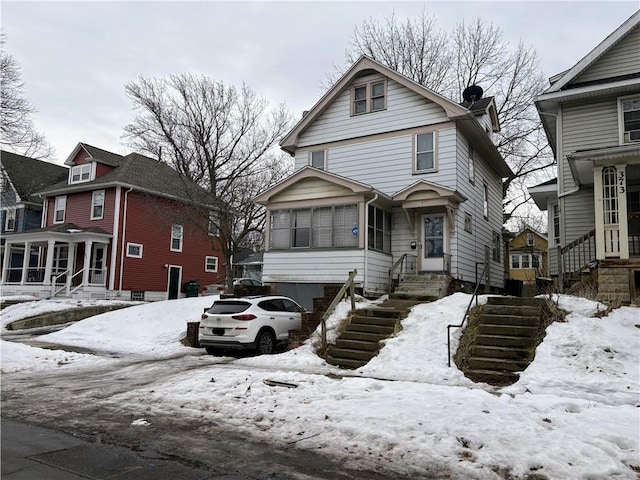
(366, 241)
(124, 231)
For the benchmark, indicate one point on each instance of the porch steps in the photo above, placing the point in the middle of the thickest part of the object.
(423, 287)
(503, 339)
(359, 342)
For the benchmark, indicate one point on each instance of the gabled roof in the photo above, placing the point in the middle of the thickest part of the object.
(594, 54)
(486, 105)
(315, 173)
(424, 185)
(29, 176)
(140, 173)
(364, 64)
(97, 154)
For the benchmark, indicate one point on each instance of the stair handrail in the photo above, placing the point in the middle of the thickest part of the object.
(399, 262)
(466, 313)
(54, 282)
(348, 285)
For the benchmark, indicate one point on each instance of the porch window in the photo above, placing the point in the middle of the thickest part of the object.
(425, 152)
(630, 119)
(134, 250)
(80, 173)
(60, 207)
(10, 220)
(318, 159)
(211, 264)
(368, 97)
(379, 229)
(320, 227)
(97, 205)
(176, 238)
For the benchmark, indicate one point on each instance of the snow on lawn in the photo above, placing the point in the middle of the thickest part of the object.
(572, 415)
(153, 329)
(17, 357)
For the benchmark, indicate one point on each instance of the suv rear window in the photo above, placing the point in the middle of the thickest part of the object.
(228, 306)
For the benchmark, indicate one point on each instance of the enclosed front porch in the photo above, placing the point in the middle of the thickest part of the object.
(58, 261)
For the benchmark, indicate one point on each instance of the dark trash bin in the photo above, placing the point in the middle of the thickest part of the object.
(513, 287)
(544, 285)
(192, 334)
(191, 288)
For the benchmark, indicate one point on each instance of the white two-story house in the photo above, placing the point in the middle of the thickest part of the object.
(591, 115)
(386, 170)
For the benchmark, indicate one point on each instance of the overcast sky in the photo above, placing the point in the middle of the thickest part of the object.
(76, 57)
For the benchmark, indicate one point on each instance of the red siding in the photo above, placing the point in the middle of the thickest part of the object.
(81, 157)
(148, 223)
(78, 210)
(101, 169)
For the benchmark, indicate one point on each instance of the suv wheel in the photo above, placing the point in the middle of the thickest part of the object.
(265, 343)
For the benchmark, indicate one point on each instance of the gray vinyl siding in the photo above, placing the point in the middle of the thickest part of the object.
(621, 59)
(378, 265)
(387, 163)
(401, 236)
(312, 266)
(405, 109)
(577, 214)
(587, 126)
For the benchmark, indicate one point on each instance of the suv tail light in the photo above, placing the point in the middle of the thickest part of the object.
(204, 316)
(245, 317)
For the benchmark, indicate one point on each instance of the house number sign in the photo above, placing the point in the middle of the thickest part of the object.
(621, 182)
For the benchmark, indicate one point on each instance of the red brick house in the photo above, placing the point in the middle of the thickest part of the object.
(118, 227)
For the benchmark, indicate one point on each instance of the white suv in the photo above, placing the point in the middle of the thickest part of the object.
(249, 323)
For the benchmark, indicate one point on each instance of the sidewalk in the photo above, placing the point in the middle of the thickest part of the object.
(35, 453)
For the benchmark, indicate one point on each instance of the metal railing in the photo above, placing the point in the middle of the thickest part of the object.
(466, 313)
(348, 285)
(404, 265)
(574, 257)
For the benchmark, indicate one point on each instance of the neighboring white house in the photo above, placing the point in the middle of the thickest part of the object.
(386, 168)
(591, 115)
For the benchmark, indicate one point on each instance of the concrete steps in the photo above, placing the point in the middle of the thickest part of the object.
(359, 342)
(504, 338)
(423, 287)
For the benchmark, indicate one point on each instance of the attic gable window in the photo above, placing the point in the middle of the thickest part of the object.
(369, 97)
(630, 119)
(80, 173)
(10, 220)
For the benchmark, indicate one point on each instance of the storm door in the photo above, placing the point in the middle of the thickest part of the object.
(98, 258)
(434, 241)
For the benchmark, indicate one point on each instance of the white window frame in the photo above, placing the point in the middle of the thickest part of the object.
(134, 245)
(529, 257)
(555, 229)
(84, 173)
(213, 230)
(472, 166)
(485, 200)
(434, 138)
(468, 222)
(94, 194)
(180, 237)
(531, 239)
(10, 216)
(369, 97)
(207, 267)
(59, 205)
(324, 159)
(624, 138)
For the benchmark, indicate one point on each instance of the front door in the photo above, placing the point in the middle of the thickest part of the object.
(174, 282)
(97, 265)
(434, 240)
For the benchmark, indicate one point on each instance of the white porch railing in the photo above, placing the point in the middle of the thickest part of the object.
(612, 240)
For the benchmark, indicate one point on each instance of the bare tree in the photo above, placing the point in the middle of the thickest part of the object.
(220, 137)
(18, 133)
(472, 54)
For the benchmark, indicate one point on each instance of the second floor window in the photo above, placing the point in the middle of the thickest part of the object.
(213, 224)
(176, 238)
(318, 159)
(60, 207)
(425, 152)
(485, 202)
(80, 173)
(10, 220)
(472, 166)
(496, 247)
(555, 209)
(97, 205)
(630, 119)
(368, 97)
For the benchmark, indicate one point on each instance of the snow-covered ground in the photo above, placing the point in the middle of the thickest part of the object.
(574, 413)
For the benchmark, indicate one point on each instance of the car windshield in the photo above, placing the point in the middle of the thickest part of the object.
(228, 306)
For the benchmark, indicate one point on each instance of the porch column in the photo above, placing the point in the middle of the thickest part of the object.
(70, 265)
(622, 211)
(48, 267)
(25, 262)
(87, 262)
(5, 263)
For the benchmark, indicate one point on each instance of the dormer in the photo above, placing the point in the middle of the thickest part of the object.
(86, 163)
(486, 112)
